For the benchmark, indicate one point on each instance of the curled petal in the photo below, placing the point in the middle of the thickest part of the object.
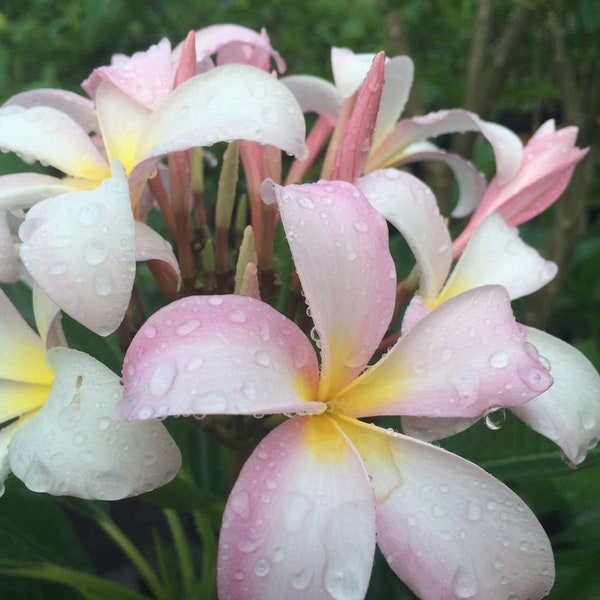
(569, 412)
(315, 95)
(340, 249)
(79, 108)
(410, 206)
(23, 190)
(74, 446)
(463, 359)
(299, 522)
(446, 527)
(53, 138)
(79, 248)
(497, 255)
(233, 102)
(149, 245)
(219, 355)
(9, 258)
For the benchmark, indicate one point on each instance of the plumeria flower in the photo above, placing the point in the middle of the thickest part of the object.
(223, 104)
(390, 141)
(549, 160)
(58, 431)
(324, 486)
(495, 254)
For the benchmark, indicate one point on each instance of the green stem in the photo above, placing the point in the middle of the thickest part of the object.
(209, 553)
(183, 550)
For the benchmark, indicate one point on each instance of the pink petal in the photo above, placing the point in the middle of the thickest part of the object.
(79, 108)
(79, 248)
(507, 147)
(146, 77)
(219, 355)
(74, 445)
(23, 190)
(447, 528)
(497, 255)
(227, 103)
(569, 412)
(463, 359)
(410, 206)
(340, 250)
(235, 44)
(299, 522)
(52, 137)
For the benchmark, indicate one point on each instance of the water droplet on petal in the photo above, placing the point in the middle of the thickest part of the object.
(495, 418)
(306, 202)
(94, 252)
(464, 583)
(262, 567)
(262, 358)
(104, 423)
(237, 316)
(499, 360)
(162, 379)
(90, 214)
(301, 580)
(240, 504)
(103, 283)
(535, 379)
(187, 327)
(474, 512)
(295, 510)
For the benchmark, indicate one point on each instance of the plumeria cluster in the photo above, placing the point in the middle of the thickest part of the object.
(440, 349)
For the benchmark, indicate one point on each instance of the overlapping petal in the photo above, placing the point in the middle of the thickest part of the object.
(569, 412)
(446, 527)
(23, 190)
(340, 250)
(219, 355)
(75, 446)
(303, 482)
(315, 95)
(238, 102)
(464, 358)
(410, 206)
(9, 265)
(80, 248)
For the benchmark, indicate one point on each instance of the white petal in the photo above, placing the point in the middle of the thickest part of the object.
(149, 245)
(75, 446)
(569, 412)
(315, 95)
(9, 259)
(23, 190)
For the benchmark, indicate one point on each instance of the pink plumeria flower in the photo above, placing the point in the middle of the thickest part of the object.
(323, 487)
(149, 76)
(58, 432)
(67, 255)
(549, 160)
(495, 254)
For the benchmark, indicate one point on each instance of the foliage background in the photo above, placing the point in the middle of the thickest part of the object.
(516, 62)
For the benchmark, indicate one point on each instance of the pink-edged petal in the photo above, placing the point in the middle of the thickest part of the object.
(299, 522)
(463, 359)
(52, 137)
(219, 355)
(506, 145)
(315, 95)
(569, 412)
(79, 108)
(341, 253)
(79, 248)
(449, 529)
(75, 446)
(358, 132)
(471, 182)
(23, 190)
(235, 43)
(227, 103)
(149, 245)
(22, 353)
(147, 76)
(410, 206)
(432, 429)
(497, 255)
(9, 258)
(122, 122)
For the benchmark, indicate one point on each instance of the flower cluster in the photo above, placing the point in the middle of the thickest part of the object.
(441, 349)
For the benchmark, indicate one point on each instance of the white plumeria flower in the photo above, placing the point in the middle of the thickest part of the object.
(569, 412)
(59, 433)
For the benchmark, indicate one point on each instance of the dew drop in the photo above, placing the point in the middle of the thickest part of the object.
(187, 327)
(94, 252)
(295, 510)
(90, 214)
(215, 300)
(262, 358)
(499, 360)
(474, 512)
(150, 331)
(262, 567)
(300, 581)
(162, 379)
(103, 283)
(306, 202)
(247, 545)
(58, 269)
(495, 418)
(464, 583)
(240, 504)
(237, 316)
(104, 423)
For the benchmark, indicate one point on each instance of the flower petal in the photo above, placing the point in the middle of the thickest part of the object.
(79, 108)
(22, 353)
(219, 355)
(340, 249)
(497, 255)
(463, 359)
(569, 412)
(299, 522)
(23, 190)
(410, 206)
(74, 446)
(6, 435)
(227, 103)
(149, 245)
(79, 248)
(9, 258)
(52, 137)
(315, 95)
(449, 529)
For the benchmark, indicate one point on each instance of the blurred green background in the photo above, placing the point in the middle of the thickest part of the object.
(515, 62)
